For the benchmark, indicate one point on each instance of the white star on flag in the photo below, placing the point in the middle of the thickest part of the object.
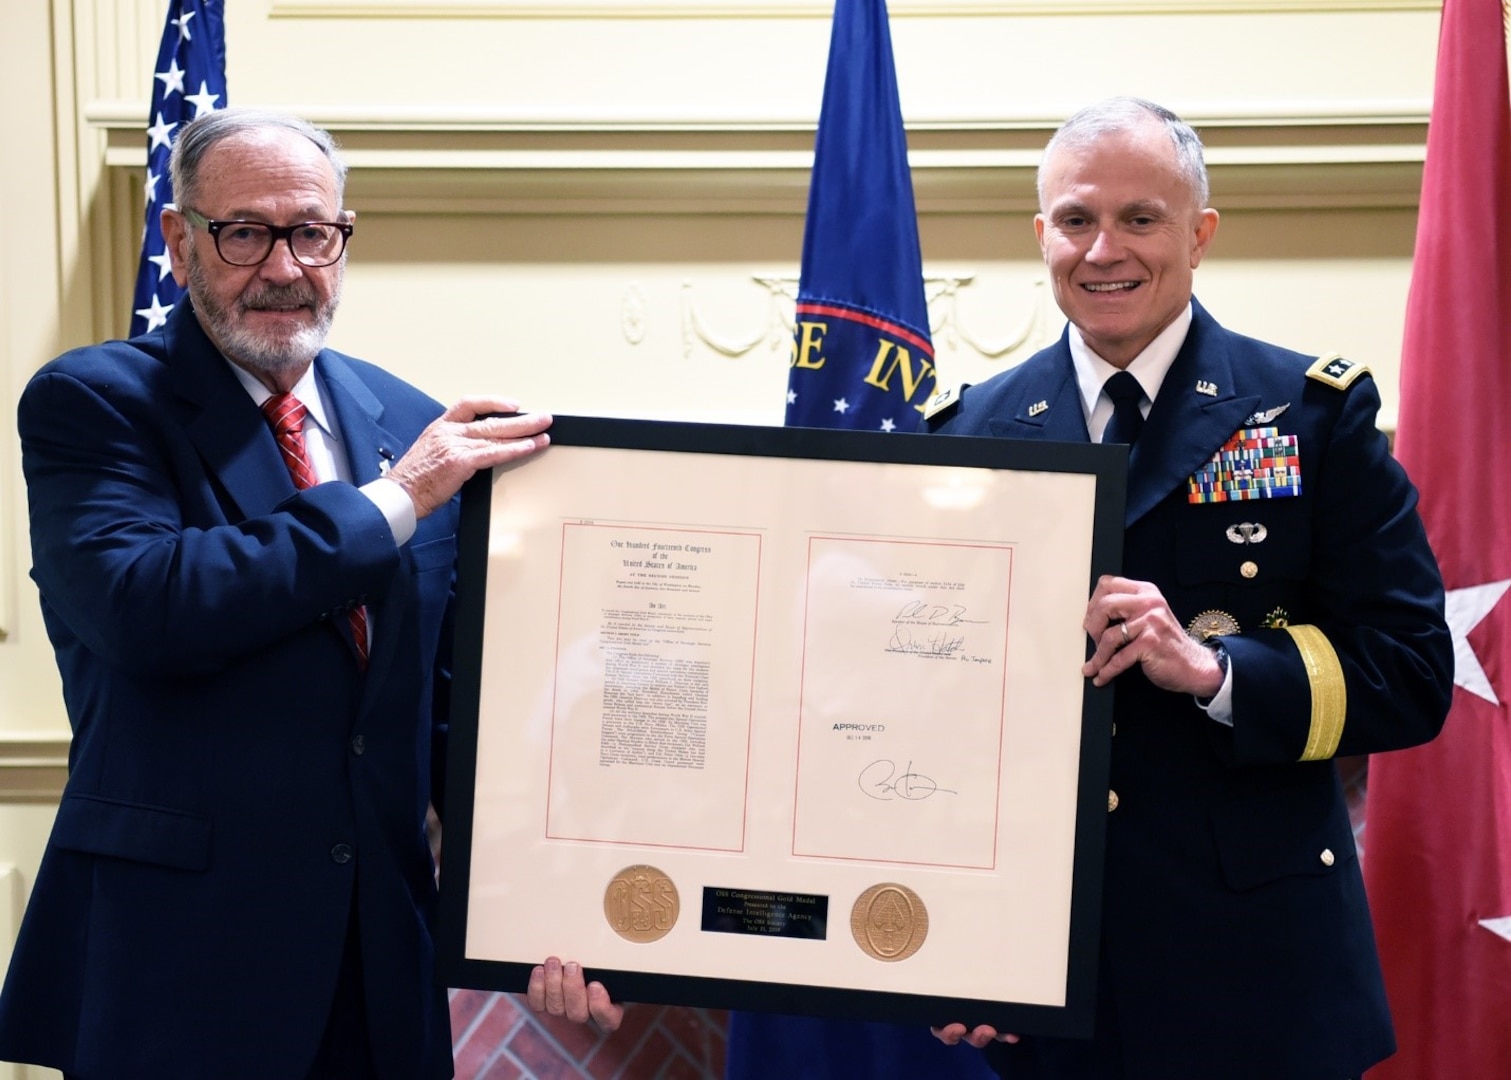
(173, 78)
(155, 315)
(791, 396)
(159, 133)
(183, 26)
(887, 425)
(1466, 609)
(150, 187)
(204, 101)
(841, 405)
(1500, 927)
(164, 263)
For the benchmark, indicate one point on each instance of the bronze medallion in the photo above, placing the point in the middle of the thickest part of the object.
(889, 922)
(1211, 624)
(641, 904)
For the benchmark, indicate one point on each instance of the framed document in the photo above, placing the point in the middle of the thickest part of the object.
(784, 719)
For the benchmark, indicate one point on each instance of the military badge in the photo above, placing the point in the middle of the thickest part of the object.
(1211, 624)
(1256, 463)
(1266, 416)
(1335, 371)
(1275, 619)
(1247, 532)
(940, 402)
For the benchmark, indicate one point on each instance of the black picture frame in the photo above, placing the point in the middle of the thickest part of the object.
(456, 968)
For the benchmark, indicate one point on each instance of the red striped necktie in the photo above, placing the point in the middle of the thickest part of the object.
(286, 414)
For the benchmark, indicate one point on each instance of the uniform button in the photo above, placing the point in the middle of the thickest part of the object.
(359, 744)
(341, 854)
(1112, 801)
(1249, 569)
(1327, 857)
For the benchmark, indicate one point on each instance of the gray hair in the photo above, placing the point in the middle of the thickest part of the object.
(1121, 113)
(197, 137)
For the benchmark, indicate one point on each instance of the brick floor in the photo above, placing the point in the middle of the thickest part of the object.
(497, 1037)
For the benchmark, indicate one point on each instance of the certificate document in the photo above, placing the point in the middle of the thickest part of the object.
(784, 719)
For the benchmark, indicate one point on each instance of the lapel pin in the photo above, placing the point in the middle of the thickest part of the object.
(1205, 387)
(1037, 407)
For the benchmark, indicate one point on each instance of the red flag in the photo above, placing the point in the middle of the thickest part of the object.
(1439, 829)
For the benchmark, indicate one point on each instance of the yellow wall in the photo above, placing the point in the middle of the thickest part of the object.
(597, 204)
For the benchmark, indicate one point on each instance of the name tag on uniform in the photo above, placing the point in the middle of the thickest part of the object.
(1256, 463)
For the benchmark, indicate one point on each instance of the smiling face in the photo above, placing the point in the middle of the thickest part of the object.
(270, 319)
(1121, 230)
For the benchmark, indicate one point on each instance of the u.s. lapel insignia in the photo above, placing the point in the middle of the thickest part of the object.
(1266, 416)
(1205, 387)
(1038, 407)
(1256, 463)
(1247, 532)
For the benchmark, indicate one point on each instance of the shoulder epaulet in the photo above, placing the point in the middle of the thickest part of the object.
(1335, 371)
(942, 403)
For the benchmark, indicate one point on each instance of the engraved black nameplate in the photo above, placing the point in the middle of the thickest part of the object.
(775, 914)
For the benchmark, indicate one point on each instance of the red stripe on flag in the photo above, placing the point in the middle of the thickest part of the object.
(884, 325)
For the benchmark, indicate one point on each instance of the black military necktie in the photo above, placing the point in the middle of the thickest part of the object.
(1127, 418)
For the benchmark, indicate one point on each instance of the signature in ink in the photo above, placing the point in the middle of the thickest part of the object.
(936, 644)
(923, 613)
(880, 780)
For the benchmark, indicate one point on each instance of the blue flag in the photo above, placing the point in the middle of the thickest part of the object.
(190, 78)
(861, 357)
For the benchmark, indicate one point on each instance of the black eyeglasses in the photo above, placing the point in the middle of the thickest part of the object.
(248, 243)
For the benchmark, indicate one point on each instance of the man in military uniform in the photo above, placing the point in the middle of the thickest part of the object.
(1278, 607)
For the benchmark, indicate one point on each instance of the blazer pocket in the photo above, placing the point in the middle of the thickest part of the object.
(1294, 831)
(123, 830)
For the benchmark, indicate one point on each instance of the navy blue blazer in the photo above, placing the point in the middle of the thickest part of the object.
(1236, 941)
(234, 782)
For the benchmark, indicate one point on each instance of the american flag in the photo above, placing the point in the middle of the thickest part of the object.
(189, 79)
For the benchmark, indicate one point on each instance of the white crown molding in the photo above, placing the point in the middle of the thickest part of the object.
(1287, 155)
(1207, 116)
(33, 768)
(811, 9)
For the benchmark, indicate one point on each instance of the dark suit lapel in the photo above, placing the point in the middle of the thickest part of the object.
(1050, 408)
(227, 429)
(358, 413)
(1198, 409)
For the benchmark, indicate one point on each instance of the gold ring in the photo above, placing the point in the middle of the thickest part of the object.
(1126, 638)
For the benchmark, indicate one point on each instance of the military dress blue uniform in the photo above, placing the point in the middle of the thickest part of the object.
(1236, 940)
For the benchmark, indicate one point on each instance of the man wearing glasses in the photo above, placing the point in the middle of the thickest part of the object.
(244, 544)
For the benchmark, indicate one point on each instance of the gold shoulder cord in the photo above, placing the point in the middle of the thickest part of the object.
(1329, 695)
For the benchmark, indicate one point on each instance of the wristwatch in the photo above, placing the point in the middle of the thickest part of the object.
(1221, 653)
(1215, 644)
